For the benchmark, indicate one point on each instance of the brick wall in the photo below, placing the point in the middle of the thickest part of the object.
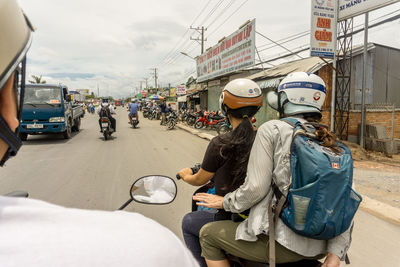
(383, 118)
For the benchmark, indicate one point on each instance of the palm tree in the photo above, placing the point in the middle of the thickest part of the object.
(37, 79)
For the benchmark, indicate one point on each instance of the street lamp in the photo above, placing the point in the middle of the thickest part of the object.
(185, 54)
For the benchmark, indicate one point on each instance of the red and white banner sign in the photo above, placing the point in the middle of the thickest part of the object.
(235, 52)
(181, 90)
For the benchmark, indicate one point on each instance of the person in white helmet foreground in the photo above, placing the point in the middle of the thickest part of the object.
(225, 160)
(38, 234)
(300, 95)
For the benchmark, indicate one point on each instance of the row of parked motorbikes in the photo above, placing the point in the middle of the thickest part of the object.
(207, 119)
(155, 114)
(198, 119)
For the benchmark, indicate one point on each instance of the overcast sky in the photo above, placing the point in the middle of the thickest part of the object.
(115, 44)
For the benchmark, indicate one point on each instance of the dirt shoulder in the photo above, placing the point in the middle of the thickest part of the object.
(377, 175)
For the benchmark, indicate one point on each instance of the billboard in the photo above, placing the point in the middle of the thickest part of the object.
(83, 91)
(235, 52)
(323, 28)
(352, 8)
(181, 90)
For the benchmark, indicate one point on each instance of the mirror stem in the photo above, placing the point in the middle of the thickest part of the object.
(125, 204)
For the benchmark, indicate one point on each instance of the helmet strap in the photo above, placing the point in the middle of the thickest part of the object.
(11, 139)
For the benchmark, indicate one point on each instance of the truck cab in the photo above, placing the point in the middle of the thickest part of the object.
(48, 109)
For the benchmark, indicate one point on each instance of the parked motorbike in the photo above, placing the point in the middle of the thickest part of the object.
(134, 120)
(209, 120)
(192, 117)
(146, 112)
(172, 119)
(227, 127)
(106, 128)
(240, 262)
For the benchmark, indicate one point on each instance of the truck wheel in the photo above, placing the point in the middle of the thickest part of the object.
(23, 136)
(68, 131)
(77, 125)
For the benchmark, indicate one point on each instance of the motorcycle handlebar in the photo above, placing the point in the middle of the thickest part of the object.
(195, 170)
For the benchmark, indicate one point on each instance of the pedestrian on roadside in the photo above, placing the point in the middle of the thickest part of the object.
(39, 234)
(163, 108)
(225, 161)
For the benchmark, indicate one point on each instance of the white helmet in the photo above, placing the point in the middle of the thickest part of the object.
(241, 94)
(298, 93)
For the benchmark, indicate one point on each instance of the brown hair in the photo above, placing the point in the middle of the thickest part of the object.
(327, 138)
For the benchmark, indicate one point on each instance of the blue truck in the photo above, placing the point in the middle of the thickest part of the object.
(48, 109)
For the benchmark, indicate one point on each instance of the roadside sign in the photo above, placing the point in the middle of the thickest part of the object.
(233, 53)
(323, 28)
(352, 8)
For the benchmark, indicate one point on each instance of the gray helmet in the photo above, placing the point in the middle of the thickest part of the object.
(15, 32)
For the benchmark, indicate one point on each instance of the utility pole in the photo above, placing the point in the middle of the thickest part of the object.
(141, 85)
(200, 40)
(155, 77)
(98, 92)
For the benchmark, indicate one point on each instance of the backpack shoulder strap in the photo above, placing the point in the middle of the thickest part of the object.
(291, 121)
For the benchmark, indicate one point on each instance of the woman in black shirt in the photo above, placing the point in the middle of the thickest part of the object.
(225, 161)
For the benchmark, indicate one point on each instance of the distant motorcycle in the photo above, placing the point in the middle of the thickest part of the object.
(134, 121)
(172, 119)
(106, 128)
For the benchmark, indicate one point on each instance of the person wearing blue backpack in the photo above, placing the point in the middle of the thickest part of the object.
(298, 188)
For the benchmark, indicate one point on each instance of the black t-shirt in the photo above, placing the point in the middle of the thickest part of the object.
(222, 167)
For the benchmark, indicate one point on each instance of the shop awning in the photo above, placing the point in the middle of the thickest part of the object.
(182, 98)
(269, 83)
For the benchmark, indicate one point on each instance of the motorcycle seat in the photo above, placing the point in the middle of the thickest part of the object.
(217, 117)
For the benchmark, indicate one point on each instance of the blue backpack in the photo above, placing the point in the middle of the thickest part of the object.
(320, 203)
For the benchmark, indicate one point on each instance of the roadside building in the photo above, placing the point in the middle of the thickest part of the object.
(382, 96)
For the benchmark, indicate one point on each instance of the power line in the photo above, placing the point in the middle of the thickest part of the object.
(236, 10)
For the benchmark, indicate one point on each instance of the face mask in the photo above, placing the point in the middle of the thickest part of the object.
(6, 134)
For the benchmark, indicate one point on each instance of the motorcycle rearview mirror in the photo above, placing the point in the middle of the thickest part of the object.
(152, 189)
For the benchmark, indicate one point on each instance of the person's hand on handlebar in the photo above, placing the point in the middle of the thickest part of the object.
(184, 173)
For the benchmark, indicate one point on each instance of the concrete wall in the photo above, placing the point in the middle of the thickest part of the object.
(386, 75)
(375, 117)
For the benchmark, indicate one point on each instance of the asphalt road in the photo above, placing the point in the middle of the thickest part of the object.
(88, 172)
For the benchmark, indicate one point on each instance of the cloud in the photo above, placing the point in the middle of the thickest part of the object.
(114, 44)
(71, 76)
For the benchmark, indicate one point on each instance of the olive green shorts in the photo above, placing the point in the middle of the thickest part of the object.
(218, 238)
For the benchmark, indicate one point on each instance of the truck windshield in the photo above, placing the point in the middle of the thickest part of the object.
(42, 96)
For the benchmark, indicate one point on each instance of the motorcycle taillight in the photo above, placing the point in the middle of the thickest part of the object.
(104, 120)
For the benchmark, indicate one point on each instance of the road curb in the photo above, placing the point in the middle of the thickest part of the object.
(379, 209)
(195, 132)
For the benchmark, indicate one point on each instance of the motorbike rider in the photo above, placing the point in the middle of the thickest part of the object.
(106, 110)
(36, 233)
(226, 157)
(269, 160)
(133, 111)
